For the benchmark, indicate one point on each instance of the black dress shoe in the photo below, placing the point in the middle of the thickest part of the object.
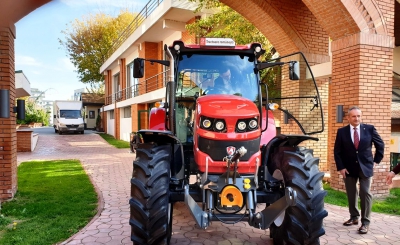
(351, 222)
(363, 229)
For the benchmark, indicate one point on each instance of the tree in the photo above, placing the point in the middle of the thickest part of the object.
(34, 113)
(88, 41)
(225, 22)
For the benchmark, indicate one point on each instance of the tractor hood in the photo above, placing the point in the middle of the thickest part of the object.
(226, 106)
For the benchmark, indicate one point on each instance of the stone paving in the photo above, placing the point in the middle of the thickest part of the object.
(110, 170)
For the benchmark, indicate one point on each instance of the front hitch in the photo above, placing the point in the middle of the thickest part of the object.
(233, 159)
(199, 215)
(264, 219)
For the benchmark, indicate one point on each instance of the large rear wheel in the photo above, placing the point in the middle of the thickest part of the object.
(301, 224)
(150, 210)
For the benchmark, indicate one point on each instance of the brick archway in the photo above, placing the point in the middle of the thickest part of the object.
(361, 35)
(362, 42)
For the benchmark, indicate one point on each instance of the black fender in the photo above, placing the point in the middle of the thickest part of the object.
(161, 137)
(164, 137)
(282, 140)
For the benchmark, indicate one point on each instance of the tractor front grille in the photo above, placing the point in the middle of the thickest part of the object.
(217, 150)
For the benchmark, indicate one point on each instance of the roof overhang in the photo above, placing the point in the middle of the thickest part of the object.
(22, 85)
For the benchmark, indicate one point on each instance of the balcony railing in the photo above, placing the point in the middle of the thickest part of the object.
(151, 84)
(137, 21)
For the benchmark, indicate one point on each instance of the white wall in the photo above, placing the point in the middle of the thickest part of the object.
(175, 36)
(125, 128)
(110, 125)
(91, 122)
(135, 54)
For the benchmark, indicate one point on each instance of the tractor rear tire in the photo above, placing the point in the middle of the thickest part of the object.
(302, 224)
(150, 210)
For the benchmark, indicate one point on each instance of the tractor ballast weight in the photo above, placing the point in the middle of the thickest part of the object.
(218, 145)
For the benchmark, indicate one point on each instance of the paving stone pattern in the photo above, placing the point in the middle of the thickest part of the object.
(110, 170)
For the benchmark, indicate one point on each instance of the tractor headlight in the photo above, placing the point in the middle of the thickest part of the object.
(219, 125)
(241, 125)
(206, 123)
(253, 124)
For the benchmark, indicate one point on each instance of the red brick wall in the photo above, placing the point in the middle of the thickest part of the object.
(8, 142)
(108, 86)
(134, 117)
(188, 38)
(122, 76)
(24, 141)
(362, 76)
(287, 24)
(149, 50)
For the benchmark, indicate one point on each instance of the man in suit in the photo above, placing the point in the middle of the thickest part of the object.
(355, 162)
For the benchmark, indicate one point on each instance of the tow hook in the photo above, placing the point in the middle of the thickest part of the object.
(234, 159)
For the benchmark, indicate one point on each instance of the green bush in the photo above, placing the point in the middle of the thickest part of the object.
(34, 114)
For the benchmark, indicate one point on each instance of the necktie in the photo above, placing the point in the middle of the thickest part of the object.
(356, 138)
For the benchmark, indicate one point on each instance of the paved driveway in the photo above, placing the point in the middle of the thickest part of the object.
(110, 170)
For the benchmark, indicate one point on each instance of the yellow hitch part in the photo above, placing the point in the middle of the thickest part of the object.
(231, 196)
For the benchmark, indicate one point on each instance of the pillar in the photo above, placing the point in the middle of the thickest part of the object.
(362, 70)
(8, 135)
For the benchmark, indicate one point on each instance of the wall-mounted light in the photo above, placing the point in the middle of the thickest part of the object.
(20, 109)
(4, 103)
(339, 113)
(5, 106)
(286, 118)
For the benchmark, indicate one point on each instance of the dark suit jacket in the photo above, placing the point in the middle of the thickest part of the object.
(346, 155)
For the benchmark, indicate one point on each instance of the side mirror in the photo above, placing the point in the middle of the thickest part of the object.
(138, 68)
(55, 116)
(294, 70)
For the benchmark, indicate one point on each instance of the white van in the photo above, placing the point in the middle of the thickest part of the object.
(68, 116)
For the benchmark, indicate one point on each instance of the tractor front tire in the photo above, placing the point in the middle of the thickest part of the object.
(301, 224)
(150, 210)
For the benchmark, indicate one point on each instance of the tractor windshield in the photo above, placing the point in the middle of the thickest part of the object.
(201, 75)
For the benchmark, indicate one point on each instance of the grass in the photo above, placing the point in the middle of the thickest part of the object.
(113, 141)
(388, 205)
(55, 199)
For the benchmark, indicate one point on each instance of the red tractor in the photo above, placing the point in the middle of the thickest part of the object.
(213, 144)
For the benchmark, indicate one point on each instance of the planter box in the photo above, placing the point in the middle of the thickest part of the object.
(26, 140)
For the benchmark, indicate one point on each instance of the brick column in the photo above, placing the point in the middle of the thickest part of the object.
(8, 136)
(362, 70)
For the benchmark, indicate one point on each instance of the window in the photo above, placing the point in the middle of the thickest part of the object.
(91, 115)
(129, 79)
(116, 87)
(131, 82)
(127, 112)
(112, 114)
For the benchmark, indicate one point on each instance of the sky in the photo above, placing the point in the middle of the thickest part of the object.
(38, 52)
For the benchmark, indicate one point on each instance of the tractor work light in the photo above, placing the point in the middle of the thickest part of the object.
(206, 123)
(219, 125)
(253, 124)
(241, 125)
